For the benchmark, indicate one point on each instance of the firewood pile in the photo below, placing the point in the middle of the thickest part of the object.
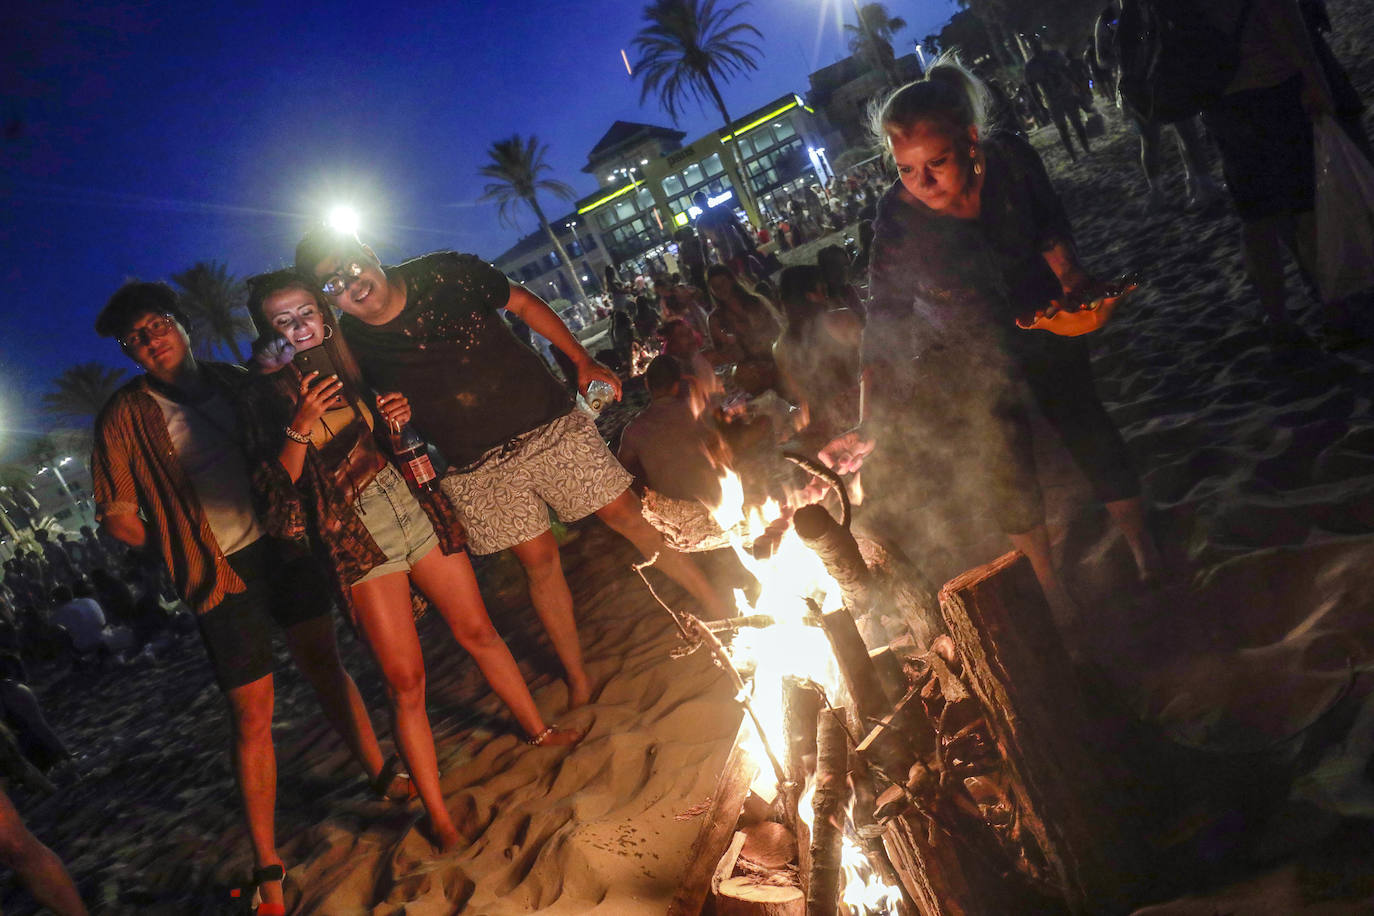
(950, 772)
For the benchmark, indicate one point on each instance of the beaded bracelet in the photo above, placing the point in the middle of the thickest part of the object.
(295, 436)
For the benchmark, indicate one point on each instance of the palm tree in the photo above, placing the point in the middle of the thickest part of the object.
(514, 165)
(685, 47)
(871, 39)
(214, 301)
(80, 391)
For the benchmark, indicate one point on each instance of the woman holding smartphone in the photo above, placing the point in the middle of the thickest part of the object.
(380, 536)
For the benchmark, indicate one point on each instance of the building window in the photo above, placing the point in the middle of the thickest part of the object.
(712, 165)
(762, 138)
(645, 200)
(783, 130)
(574, 250)
(745, 147)
(589, 243)
(672, 186)
(605, 218)
(692, 175)
(624, 209)
(552, 258)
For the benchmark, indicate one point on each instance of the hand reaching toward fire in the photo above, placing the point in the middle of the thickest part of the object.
(845, 454)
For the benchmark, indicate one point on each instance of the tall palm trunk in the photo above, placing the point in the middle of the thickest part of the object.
(558, 246)
(731, 149)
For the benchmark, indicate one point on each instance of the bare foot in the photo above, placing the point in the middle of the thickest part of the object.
(445, 838)
(579, 693)
(553, 736)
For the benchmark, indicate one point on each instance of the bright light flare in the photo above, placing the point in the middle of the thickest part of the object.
(343, 218)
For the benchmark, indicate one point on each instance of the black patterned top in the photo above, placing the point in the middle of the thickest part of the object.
(938, 281)
(471, 383)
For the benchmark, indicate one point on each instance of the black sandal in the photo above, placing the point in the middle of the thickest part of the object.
(261, 876)
(391, 772)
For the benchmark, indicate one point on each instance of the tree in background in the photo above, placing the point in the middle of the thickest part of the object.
(870, 40)
(685, 48)
(515, 166)
(214, 300)
(79, 392)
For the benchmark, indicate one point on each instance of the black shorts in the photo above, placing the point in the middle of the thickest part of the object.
(1265, 140)
(283, 588)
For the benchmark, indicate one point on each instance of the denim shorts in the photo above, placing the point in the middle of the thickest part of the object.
(397, 523)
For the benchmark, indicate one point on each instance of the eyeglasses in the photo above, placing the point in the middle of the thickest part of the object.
(158, 326)
(338, 281)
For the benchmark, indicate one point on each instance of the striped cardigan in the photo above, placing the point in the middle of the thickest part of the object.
(135, 468)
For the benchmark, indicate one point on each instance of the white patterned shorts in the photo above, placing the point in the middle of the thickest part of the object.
(563, 465)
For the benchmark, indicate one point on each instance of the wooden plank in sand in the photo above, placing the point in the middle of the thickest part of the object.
(1017, 666)
(718, 828)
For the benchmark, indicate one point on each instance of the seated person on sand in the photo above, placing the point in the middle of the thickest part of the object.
(380, 532)
(700, 385)
(743, 328)
(23, 713)
(172, 474)
(818, 355)
(676, 457)
(84, 620)
(516, 446)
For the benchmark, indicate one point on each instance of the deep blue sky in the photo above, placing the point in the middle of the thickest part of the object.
(140, 138)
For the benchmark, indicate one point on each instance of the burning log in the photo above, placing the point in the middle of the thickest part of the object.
(832, 794)
(1017, 667)
(717, 830)
(888, 751)
(839, 552)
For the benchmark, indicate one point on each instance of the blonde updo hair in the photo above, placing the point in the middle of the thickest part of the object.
(948, 94)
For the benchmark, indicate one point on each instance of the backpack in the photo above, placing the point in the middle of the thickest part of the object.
(1173, 62)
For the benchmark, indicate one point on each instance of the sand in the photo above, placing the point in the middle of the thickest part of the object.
(1260, 465)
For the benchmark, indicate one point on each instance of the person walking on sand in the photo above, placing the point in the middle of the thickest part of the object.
(379, 534)
(1262, 126)
(429, 328)
(1052, 88)
(172, 474)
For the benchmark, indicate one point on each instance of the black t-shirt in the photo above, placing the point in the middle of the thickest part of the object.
(471, 383)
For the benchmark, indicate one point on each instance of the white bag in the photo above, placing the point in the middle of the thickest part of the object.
(1345, 214)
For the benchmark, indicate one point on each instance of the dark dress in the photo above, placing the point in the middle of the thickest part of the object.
(952, 374)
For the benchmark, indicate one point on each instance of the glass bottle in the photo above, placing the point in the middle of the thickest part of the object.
(412, 455)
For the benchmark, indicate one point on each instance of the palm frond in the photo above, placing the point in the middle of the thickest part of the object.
(685, 45)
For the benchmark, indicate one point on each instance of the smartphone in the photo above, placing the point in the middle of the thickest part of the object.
(316, 359)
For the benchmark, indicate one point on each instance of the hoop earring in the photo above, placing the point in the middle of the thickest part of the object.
(977, 163)
(328, 331)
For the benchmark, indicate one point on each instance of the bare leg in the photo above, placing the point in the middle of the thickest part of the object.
(255, 766)
(553, 603)
(1129, 515)
(384, 616)
(1035, 544)
(316, 655)
(623, 514)
(36, 865)
(448, 581)
(1264, 265)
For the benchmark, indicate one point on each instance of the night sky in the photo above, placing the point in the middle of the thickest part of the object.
(141, 138)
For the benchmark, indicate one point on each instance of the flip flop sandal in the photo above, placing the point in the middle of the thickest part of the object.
(393, 783)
